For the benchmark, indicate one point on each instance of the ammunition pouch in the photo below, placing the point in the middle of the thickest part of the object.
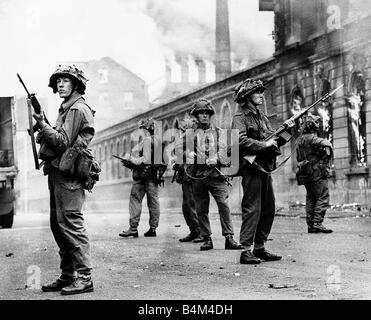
(304, 173)
(46, 153)
(79, 162)
(68, 160)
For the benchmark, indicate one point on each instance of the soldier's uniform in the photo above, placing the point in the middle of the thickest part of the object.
(314, 155)
(207, 180)
(188, 202)
(74, 125)
(145, 182)
(258, 202)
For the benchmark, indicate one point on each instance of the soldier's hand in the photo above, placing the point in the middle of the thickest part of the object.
(39, 117)
(211, 162)
(192, 154)
(126, 156)
(271, 143)
(289, 123)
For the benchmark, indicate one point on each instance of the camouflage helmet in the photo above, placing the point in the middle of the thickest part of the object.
(311, 123)
(246, 88)
(187, 123)
(148, 124)
(202, 105)
(70, 71)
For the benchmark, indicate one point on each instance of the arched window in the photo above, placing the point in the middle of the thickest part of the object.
(124, 150)
(111, 159)
(118, 163)
(166, 126)
(176, 123)
(226, 116)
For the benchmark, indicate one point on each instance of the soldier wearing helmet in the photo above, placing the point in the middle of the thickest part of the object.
(314, 155)
(176, 162)
(206, 177)
(146, 179)
(258, 202)
(74, 129)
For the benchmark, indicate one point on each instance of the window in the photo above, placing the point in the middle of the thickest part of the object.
(118, 152)
(128, 96)
(357, 118)
(103, 75)
(103, 100)
(124, 150)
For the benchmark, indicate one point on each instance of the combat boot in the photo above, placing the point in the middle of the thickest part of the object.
(247, 257)
(230, 244)
(198, 239)
(318, 228)
(129, 233)
(150, 233)
(264, 254)
(58, 284)
(82, 284)
(190, 237)
(207, 245)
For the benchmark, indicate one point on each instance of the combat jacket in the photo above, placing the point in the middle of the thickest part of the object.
(75, 123)
(313, 155)
(146, 168)
(209, 148)
(253, 128)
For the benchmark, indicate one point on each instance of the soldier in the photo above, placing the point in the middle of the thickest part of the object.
(314, 155)
(258, 202)
(188, 204)
(208, 179)
(146, 182)
(74, 126)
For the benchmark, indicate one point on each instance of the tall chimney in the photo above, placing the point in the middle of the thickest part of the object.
(222, 45)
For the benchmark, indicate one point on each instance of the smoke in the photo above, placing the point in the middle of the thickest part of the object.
(139, 34)
(189, 27)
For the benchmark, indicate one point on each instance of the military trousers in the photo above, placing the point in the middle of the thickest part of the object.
(189, 208)
(317, 201)
(139, 189)
(258, 208)
(219, 190)
(67, 223)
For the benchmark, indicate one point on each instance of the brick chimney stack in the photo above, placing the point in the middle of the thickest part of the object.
(222, 45)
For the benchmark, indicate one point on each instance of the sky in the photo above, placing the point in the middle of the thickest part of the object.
(139, 34)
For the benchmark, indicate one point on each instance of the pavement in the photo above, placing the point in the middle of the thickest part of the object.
(314, 266)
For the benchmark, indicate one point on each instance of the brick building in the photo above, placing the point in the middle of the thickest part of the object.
(318, 46)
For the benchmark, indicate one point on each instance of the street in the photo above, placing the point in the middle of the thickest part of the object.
(314, 266)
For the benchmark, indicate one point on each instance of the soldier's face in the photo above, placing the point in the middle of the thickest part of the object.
(257, 98)
(204, 117)
(65, 87)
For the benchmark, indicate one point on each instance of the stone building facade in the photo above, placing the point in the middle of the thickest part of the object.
(316, 51)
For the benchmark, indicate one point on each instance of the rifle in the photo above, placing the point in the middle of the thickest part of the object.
(35, 104)
(125, 162)
(160, 168)
(33, 128)
(282, 131)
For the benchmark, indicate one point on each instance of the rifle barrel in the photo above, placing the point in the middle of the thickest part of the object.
(24, 86)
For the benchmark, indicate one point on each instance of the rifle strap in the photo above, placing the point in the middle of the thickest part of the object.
(196, 178)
